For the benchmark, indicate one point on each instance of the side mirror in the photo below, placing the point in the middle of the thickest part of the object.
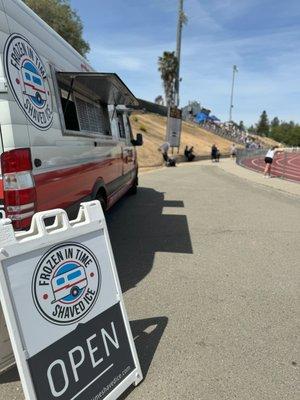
(138, 141)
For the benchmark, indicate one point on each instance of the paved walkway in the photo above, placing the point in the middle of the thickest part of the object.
(276, 183)
(214, 283)
(209, 266)
(228, 165)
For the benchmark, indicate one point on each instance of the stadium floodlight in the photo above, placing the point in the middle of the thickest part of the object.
(234, 71)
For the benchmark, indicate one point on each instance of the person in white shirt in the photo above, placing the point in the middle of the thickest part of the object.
(233, 150)
(269, 160)
(164, 148)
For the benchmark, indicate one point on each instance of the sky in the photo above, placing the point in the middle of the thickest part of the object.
(261, 37)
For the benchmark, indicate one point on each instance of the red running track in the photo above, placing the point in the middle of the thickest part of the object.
(285, 165)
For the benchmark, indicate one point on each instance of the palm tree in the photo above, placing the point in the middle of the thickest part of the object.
(167, 66)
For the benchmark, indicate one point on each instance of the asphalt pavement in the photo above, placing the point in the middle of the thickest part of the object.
(209, 266)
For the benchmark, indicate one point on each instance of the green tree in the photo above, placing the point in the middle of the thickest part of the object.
(287, 133)
(263, 126)
(275, 123)
(251, 129)
(167, 66)
(63, 19)
(292, 124)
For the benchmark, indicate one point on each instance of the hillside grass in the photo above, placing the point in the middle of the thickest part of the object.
(153, 128)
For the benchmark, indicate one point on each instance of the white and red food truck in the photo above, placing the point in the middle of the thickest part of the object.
(65, 135)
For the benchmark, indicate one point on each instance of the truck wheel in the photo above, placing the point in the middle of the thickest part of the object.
(134, 187)
(102, 198)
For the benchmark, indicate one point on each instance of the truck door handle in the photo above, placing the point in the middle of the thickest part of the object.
(37, 162)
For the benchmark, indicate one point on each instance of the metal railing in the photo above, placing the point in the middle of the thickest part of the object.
(286, 165)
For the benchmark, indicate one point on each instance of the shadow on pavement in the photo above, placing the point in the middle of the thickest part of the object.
(138, 229)
(147, 334)
(11, 375)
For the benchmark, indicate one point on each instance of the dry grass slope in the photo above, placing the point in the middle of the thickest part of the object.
(267, 142)
(155, 134)
(192, 135)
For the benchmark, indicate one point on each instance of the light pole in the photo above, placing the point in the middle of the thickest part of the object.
(181, 21)
(235, 69)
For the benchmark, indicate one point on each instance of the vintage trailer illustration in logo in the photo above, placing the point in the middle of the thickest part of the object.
(28, 81)
(66, 283)
(69, 282)
(33, 84)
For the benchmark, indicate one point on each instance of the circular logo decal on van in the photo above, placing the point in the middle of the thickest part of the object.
(27, 79)
(66, 283)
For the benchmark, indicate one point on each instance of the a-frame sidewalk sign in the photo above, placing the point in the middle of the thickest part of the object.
(64, 310)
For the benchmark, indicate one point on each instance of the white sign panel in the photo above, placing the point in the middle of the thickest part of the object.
(64, 310)
(174, 126)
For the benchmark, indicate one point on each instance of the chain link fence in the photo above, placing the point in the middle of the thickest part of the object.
(286, 165)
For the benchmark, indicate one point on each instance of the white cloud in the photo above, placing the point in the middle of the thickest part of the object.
(136, 63)
(268, 61)
(200, 17)
(268, 78)
(232, 9)
(131, 63)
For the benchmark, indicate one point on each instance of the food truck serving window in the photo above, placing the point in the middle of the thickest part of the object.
(92, 117)
(84, 99)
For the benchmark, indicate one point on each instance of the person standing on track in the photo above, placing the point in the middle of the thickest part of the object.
(269, 160)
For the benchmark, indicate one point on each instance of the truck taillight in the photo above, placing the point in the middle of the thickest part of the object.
(18, 187)
(16, 161)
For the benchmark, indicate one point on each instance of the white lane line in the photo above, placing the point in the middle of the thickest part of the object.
(278, 169)
(293, 159)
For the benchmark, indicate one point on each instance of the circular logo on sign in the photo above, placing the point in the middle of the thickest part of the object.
(27, 79)
(66, 283)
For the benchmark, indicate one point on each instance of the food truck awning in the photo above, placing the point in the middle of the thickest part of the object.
(106, 87)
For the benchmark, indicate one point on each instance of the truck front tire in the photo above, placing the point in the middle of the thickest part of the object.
(101, 196)
(134, 187)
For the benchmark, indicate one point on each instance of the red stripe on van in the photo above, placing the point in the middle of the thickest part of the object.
(64, 187)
